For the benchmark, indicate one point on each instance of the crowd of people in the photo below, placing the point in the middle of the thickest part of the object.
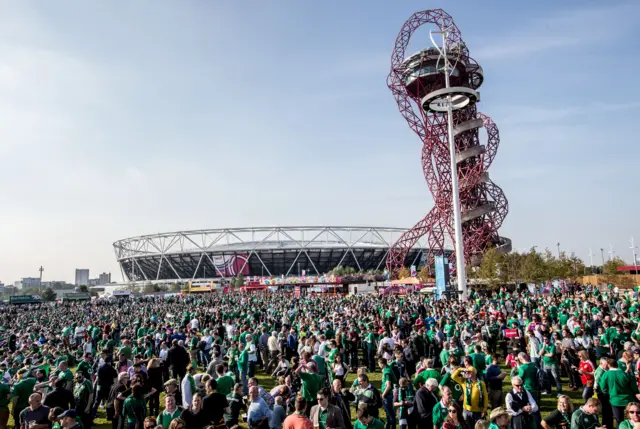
(192, 362)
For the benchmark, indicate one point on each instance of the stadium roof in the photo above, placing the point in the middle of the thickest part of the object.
(257, 251)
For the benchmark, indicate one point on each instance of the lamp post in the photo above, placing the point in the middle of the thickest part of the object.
(602, 253)
(635, 261)
(455, 191)
(558, 244)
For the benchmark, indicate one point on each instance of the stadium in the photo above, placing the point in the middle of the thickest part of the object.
(267, 251)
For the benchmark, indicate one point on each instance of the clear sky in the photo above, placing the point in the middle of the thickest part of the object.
(121, 118)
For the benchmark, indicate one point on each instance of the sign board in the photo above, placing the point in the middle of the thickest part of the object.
(76, 296)
(511, 333)
(24, 299)
(121, 293)
(442, 275)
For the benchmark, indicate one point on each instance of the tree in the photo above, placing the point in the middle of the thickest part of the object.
(512, 267)
(403, 273)
(149, 288)
(48, 295)
(240, 280)
(490, 269)
(533, 268)
(83, 288)
(424, 274)
(611, 266)
(175, 287)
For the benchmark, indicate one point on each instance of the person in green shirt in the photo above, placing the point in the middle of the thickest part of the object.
(621, 387)
(171, 411)
(134, 408)
(427, 373)
(478, 359)
(243, 368)
(21, 392)
(633, 416)
(586, 417)
(5, 393)
(528, 372)
(85, 366)
(441, 409)
(370, 340)
(311, 382)
(366, 421)
(126, 350)
(225, 383)
(550, 362)
(456, 389)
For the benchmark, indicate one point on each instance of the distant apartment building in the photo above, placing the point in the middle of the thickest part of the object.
(101, 280)
(82, 277)
(27, 282)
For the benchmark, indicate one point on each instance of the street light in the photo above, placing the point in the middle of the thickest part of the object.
(602, 253)
(558, 244)
(635, 261)
(455, 191)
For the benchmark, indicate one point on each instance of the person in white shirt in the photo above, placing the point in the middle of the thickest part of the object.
(253, 355)
(164, 351)
(195, 324)
(522, 416)
(188, 387)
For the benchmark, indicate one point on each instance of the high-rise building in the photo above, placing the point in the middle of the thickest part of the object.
(82, 277)
(104, 279)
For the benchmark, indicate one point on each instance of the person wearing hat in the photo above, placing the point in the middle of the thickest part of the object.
(171, 389)
(475, 396)
(499, 418)
(21, 392)
(68, 420)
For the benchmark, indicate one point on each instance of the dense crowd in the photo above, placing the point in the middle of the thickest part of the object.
(442, 364)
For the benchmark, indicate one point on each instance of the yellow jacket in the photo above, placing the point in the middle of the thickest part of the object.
(479, 401)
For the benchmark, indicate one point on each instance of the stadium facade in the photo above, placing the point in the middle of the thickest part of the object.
(267, 251)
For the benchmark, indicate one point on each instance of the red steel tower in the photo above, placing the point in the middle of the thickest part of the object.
(418, 86)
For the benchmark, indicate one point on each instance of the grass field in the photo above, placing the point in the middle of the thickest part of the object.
(547, 404)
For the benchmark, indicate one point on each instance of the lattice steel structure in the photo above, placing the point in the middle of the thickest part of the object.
(418, 85)
(266, 251)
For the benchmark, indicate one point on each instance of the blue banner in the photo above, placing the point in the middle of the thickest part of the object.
(442, 275)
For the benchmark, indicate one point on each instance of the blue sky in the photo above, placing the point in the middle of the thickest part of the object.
(122, 118)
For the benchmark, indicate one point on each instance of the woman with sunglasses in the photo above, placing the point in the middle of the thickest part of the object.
(632, 416)
(454, 418)
(560, 418)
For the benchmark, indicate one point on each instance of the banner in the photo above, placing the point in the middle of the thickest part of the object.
(231, 265)
(442, 275)
(511, 333)
(413, 271)
(76, 296)
(24, 299)
(297, 291)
